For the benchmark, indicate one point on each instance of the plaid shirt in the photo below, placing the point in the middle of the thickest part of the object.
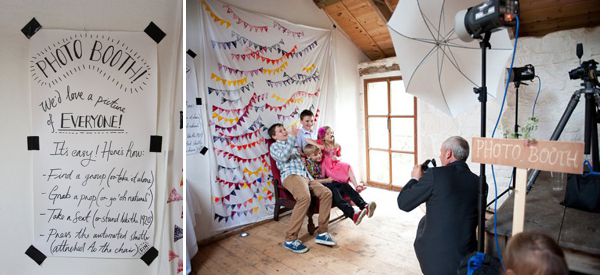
(288, 159)
(314, 169)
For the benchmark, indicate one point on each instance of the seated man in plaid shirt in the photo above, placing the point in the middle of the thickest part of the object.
(299, 182)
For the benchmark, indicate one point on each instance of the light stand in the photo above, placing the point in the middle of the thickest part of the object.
(511, 186)
(482, 92)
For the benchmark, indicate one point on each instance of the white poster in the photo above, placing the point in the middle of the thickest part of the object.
(193, 117)
(93, 98)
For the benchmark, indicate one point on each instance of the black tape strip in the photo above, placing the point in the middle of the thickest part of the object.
(150, 255)
(155, 144)
(198, 101)
(155, 32)
(36, 255)
(31, 28)
(33, 143)
(180, 119)
(203, 151)
(191, 53)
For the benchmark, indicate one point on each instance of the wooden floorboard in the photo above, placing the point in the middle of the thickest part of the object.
(382, 244)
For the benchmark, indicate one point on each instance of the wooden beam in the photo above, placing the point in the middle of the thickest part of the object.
(391, 4)
(382, 10)
(371, 49)
(324, 3)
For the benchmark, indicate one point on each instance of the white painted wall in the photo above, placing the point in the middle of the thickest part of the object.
(347, 57)
(16, 194)
(553, 56)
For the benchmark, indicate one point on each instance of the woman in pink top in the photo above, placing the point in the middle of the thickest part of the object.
(331, 165)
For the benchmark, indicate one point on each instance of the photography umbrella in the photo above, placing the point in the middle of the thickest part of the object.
(436, 65)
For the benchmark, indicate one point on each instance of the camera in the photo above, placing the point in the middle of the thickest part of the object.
(428, 164)
(587, 71)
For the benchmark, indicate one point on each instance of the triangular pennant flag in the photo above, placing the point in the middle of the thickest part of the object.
(177, 233)
(174, 196)
(180, 266)
(172, 255)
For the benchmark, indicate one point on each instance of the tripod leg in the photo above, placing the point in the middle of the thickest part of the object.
(595, 157)
(556, 134)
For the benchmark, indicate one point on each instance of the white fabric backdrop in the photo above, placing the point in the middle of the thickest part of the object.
(257, 70)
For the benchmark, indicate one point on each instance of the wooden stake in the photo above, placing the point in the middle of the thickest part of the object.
(519, 209)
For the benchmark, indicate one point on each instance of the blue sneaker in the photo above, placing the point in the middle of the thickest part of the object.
(325, 239)
(295, 246)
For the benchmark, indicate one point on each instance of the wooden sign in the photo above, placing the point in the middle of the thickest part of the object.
(556, 156)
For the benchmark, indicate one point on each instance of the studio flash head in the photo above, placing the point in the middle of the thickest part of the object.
(521, 74)
(490, 16)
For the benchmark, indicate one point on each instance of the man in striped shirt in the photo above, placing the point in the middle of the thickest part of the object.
(299, 182)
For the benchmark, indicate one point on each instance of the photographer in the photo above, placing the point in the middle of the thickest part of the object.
(447, 232)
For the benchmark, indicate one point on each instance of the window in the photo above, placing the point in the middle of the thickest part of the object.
(391, 127)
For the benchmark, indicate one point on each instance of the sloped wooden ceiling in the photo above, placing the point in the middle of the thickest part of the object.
(364, 21)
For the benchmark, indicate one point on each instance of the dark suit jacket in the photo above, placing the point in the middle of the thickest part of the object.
(446, 233)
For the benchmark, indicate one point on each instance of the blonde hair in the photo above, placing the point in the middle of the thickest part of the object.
(310, 150)
(321, 136)
(533, 253)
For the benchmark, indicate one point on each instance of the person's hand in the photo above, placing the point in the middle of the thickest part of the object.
(294, 131)
(303, 160)
(321, 147)
(334, 158)
(328, 180)
(416, 172)
(360, 188)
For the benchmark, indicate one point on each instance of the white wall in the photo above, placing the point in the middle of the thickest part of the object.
(553, 56)
(347, 57)
(16, 204)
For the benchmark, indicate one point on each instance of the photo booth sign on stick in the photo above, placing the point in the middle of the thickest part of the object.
(556, 156)
(94, 100)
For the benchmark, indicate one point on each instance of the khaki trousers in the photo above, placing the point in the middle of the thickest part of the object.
(299, 187)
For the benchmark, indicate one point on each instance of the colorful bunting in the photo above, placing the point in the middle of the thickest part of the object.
(309, 68)
(235, 93)
(246, 136)
(226, 197)
(177, 233)
(231, 102)
(246, 24)
(276, 70)
(257, 46)
(238, 205)
(172, 255)
(180, 266)
(228, 155)
(238, 82)
(248, 145)
(174, 196)
(237, 185)
(295, 96)
(242, 111)
(227, 169)
(215, 17)
(252, 54)
(227, 45)
(256, 124)
(305, 50)
(292, 115)
(259, 170)
(227, 120)
(287, 31)
(233, 71)
(295, 79)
